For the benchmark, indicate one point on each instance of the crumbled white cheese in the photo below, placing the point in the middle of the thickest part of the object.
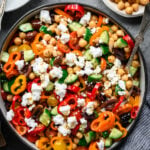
(97, 70)
(56, 72)
(57, 37)
(62, 27)
(106, 20)
(122, 85)
(83, 123)
(69, 20)
(89, 109)
(58, 119)
(44, 42)
(117, 63)
(121, 93)
(107, 85)
(31, 107)
(20, 64)
(100, 145)
(31, 123)
(72, 122)
(65, 110)
(81, 102)
(93, 30)
(88, 68)
(39, 66)
(27, 99)
(36, 91)
(95, 51)
(44, 80)
(10, 114)
(71, 58)
(64, 130)
(45, 16)
(83, 94)
(80, 62)
(65, 37)
(60, 90)
(85, 19)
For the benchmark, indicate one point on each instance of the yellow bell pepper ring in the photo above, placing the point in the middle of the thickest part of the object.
(19, 85)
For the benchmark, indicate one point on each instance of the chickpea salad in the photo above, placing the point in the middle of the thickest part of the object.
(64, 82)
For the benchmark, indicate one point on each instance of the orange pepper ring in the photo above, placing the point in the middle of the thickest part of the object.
(124, 109)
(42, 143)
(93, 146)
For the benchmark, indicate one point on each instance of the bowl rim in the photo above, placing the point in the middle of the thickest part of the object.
(62, 4)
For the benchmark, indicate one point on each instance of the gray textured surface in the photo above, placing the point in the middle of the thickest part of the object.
(139, 139)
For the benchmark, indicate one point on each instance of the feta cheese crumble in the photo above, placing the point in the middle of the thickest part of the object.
(95, 51)
(72, 122)
(83, 123)
(45, 16)
(62, 27)
(58, 119)
(60, 90)
(100, 145)
(64, 130)
(20, 64)
(31, 123)
(80, 62)
(81, 102)
(27, 99)
(71, 58)
(56, 72)
(44, 80)
(85, 19)
(10, 114)
(122, 85)
(89, 109)
(65, 37)
(65, 110)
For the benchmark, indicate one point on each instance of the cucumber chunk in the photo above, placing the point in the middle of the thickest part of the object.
(132, 70)
(121, 43)
(87, 35)
(26, 27)
(45, 117)
(71, 78)
(45, 30)
(5, 87)
(87, 55)
(74, 26)
(28, 55)
(136, 83)
(108, 142)
(115, 134)
(4, 57)
(54, 111)
(83, 142)
(95, 62)
(105, 49)
(50, 87)
(90, 136)
(104, 38)
(94, 77)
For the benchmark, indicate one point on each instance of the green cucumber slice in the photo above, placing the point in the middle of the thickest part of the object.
(45, 117)
(4, 57)
(132, 70)
(64, 76)
(54, 111)
(45, 30)
(71, 78)
(94, 77)
(83, 142)
(121, 43)
(115, 134)
(108, 142)
(90, 136)
(52, 61)
(5, 87)
(87, 35)
(136, 83)
(105, 49)
(104, 38)
(26, 27)
(95, 62)
(28, 55)
(87, 55)
(74, 26)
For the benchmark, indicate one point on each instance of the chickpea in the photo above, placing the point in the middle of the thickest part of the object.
(17, 41)
(127, 49)
(115, 37)
(121, 71)
(104, 79)
(74, 146)
(129, 84)
(53, 41)
(9, 98)
(111, 58)
(46, 37)
(54, 53)
(111, 44)
(135, 56)
(135, 63)
(77, 68)
(126, 4)
(94, 18)
(135, 6)
(108, 92)
(22, 35)
(82, 42)
(77, 83)
(81, 32)
(25, 41)
(59, 53)
(92, 24)
(121, 5)
(64, 22)
(70, 70)
(124, 77)
(96, 104)
(129, 10)
(57, 18)
(120, 33)
(58, 32)
(79, 135)
(76, 140)
(114, 28)
(47, 53)
(52, 28)
(31, 76)
(144, 2)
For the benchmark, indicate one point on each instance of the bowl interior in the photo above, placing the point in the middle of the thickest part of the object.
(49, 7)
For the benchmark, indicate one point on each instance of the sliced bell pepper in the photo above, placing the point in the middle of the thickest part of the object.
(43, 143)
(75, 10)
(75, 130)
(134, 112)
(123, 130)
(19, 85)
(62, 47)
(73, 43)
(60, 12)
(124, 109)
(100, 21)
(32, 138)
(103, 64)
(97, 34)
(82, 81)
(73, 88)
(22, 130)
(77, 114)
(52, 125)
(38, 129)
(130, 42)
(15, 98)
(77, 52)
(93, 146)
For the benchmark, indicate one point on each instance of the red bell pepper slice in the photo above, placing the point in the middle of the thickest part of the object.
(32, 138)
(3, 94)
(73, 43)
(77, 114)
(130, 42)
(75, 130)
(22, 130)
(73, 88)
(29, 85)
(118, 104)
(15, 98)
(38, 129)
(134, 112)
(75, 10)
(62, 47)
